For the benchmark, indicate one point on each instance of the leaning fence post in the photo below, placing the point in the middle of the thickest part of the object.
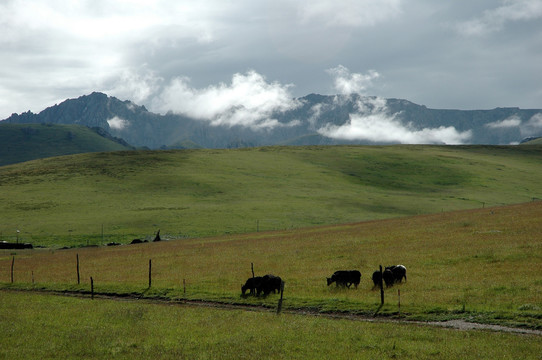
(78, 279)
(279, 307)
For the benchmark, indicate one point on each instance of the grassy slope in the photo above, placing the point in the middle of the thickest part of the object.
(23, 142)
(537, 141)
(193, 193)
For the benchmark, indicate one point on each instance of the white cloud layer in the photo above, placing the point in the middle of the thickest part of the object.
(510, 122)
(495, 19)
(249, 100)
(117, 123)
(533, 126)
(347, 83)
(374, 123)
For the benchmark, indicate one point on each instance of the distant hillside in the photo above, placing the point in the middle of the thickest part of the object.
(23, 142)
(204, 192)
(317, 120)
(532, 141)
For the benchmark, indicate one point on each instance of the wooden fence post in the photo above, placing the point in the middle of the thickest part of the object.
(78, 278)
(32, 277)
(12, 265)
(252, 290)
(91, 288)
(279, 307)
(184, 286)
(150, 272)
(381, 287)
(399, 301)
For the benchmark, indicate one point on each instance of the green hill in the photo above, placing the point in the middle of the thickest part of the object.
(535, 141)
(95, 198)
(23, 142)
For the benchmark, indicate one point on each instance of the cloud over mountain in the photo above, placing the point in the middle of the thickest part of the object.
(249, 101)
(374, 122)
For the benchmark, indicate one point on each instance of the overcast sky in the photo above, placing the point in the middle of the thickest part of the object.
(185, 55)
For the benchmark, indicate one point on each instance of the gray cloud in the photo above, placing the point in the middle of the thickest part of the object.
(50, 51)
(495, 19)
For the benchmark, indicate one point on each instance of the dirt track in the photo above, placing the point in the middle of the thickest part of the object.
(452, 324)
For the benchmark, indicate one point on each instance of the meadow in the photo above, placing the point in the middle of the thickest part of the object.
(53, 327)
(478, 265)
(297, 212)
(94, 199)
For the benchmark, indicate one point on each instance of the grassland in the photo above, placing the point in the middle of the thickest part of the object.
(317, 209)
(49, 327)
(478, 265)
(115, 197)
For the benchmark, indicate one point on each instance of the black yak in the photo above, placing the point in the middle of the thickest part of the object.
(345, 278)
(388, 278)
(377, 278)
(251, 284)
(269, 283)
(399, 272)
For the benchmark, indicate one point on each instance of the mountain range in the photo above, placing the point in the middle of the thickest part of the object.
(315, 120)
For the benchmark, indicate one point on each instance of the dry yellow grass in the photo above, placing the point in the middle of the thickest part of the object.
(482, 259)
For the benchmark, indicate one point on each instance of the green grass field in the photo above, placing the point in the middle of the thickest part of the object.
(104, 197)
(468, 257)
(52, 327)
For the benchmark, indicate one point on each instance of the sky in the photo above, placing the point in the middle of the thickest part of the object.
(236, 62)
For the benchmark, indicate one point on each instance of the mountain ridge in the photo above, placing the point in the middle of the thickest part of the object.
(317, 120)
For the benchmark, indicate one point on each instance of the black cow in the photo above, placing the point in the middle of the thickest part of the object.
(269, 283)
(251, 284)
(388, 278)
(345, 278)
(377, 278)
(399, 272)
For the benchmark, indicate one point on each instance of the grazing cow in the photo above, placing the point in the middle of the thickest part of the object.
(269, 283)
(388, 278)
(377, 278)
(345, 278)
(399, 272)
(251, 284)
